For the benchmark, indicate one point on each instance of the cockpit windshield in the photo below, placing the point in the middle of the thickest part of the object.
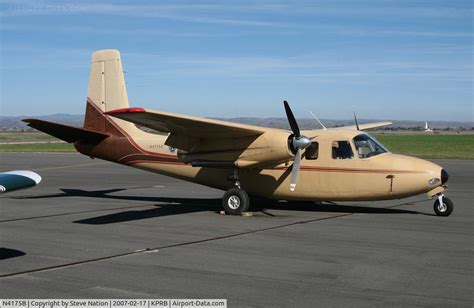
(368, 146)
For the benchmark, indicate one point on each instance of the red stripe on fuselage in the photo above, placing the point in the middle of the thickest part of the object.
(350, 170)
(147, 161)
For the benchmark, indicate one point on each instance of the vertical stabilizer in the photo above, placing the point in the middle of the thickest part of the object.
(107, 91)
(106, 83)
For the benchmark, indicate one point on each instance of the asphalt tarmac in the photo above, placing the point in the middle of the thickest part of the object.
(93, 229)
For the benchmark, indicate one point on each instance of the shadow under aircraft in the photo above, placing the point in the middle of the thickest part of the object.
(8, 253)
(175, 206)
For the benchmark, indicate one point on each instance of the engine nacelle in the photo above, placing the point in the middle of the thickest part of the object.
(268, 149)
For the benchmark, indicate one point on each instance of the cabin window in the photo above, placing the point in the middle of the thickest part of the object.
(312, 151)
(342, 150)
(368, 146)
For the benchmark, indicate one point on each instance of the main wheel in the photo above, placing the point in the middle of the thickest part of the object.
(235, 201)
(443, 209)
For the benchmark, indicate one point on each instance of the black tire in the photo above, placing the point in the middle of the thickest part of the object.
(445, 209)
(235, 201)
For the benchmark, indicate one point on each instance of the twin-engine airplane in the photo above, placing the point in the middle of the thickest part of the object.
(338, 164)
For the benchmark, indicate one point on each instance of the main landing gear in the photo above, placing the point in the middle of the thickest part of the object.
(443, 206)
(235, 200)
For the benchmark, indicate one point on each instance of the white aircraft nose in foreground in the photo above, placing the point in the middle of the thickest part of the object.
(19, 179)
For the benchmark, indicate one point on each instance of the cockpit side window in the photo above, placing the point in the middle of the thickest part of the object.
(342, 150)
(367, 146)
(312, 151)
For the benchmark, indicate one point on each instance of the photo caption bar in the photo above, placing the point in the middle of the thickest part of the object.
(112, 303)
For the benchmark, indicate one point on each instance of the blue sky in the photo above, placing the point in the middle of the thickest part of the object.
(385, 59)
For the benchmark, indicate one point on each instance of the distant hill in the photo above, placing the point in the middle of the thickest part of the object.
(310, 123)
(15, 123)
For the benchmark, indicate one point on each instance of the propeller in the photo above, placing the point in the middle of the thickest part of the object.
(355, 119)
(292, 120)
(298, 144)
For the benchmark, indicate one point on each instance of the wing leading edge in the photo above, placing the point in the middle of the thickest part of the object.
(366, 126)
(192, 126)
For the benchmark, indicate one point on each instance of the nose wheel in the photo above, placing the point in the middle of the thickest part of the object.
(443, 206)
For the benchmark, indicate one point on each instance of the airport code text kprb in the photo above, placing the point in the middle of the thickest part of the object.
(112, 303)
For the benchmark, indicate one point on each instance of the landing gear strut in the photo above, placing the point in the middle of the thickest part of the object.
(443, 206)
(235, 200)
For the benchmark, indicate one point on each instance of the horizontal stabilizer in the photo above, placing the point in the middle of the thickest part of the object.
(65, 132)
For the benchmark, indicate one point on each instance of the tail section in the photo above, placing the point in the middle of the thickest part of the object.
(106, 92)
(104, 136)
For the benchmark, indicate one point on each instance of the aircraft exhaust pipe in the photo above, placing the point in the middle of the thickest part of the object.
(19, 179)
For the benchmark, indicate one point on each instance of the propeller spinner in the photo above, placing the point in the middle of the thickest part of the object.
(297, 144)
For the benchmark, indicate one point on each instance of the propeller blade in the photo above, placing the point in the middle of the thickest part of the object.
(295, 169)
(355, 119)
(291, 120)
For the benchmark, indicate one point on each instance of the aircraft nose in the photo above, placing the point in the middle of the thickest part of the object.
(444, 176)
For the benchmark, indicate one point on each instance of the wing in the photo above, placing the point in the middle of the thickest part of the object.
(186, 131)
(213, 143)
(366, 126)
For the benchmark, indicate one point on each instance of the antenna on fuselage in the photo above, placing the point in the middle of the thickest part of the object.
(314, 116)
(355, 119)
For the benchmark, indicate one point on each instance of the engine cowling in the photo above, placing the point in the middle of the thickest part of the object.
(270, 148)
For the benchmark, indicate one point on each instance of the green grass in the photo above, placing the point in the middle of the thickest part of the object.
(27, 136)
(453, 146)
(39, 147)
(430, 146)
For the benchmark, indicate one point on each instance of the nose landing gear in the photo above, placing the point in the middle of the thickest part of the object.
(443, 206)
